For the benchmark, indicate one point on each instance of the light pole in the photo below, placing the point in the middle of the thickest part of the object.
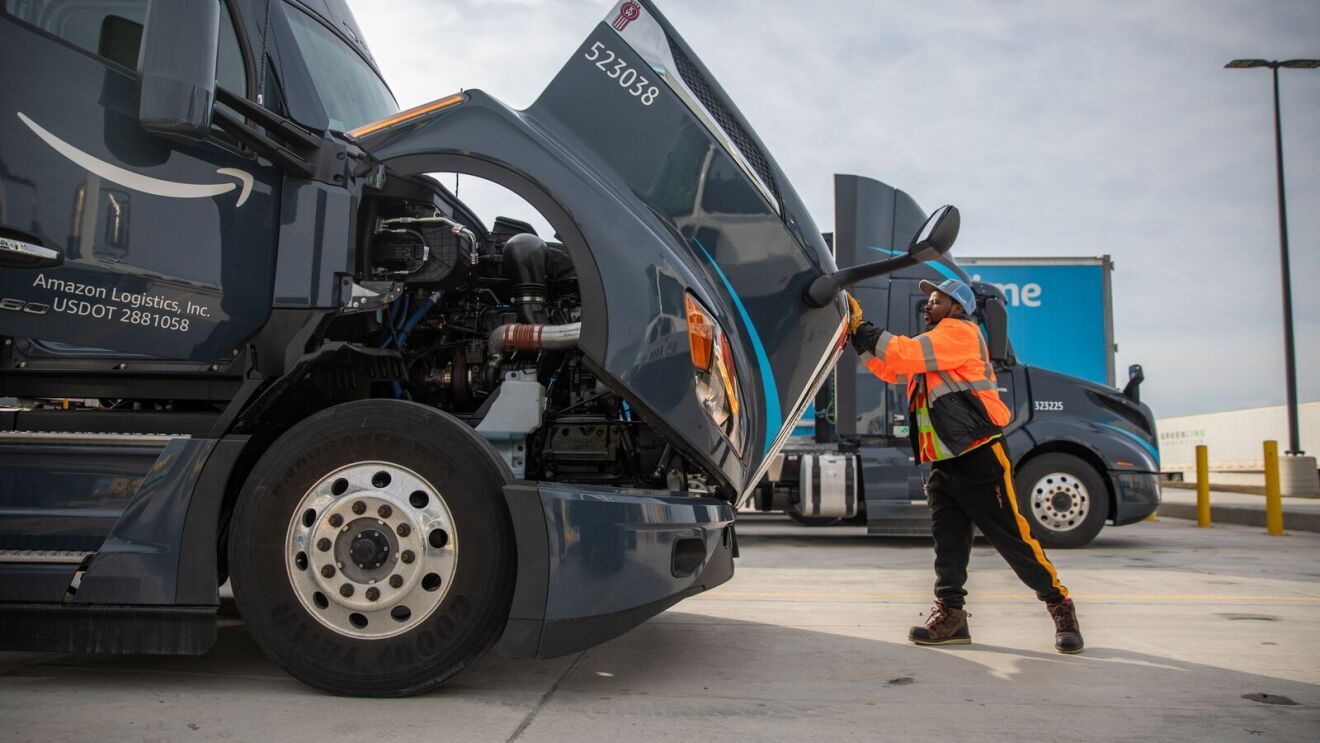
(1290, 363)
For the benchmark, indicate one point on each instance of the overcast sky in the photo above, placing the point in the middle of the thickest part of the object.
(1057, 128)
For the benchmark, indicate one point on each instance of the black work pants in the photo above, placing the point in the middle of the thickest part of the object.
(977, 489)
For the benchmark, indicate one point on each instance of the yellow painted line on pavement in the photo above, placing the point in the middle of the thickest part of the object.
(817, 595)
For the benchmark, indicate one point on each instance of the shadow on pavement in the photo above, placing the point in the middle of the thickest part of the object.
(692, 675)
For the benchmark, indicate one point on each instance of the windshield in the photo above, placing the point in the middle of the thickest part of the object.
(352, 93)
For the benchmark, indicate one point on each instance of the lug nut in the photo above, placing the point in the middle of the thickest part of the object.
(403, 530)
(336, 520)
(385, 511)
(359, 508)
(396, 581)
(323, 544)
(346, 590)
(328, 571)
(373, 593)
(407, 557)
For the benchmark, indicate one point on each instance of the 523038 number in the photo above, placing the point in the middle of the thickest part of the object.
(621, 72)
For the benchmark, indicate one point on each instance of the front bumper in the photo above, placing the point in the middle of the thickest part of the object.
(1136, 495)
(594, 562)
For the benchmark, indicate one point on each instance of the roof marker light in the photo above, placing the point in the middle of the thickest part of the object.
(408, 115)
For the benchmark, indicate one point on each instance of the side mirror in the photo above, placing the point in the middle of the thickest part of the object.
(1135, 377)
(996, 329)
(933, 240)
(992, 311)
(936, 236)
(176, 85)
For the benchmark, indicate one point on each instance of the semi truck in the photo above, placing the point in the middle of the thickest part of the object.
(1084, 453)
(247, 336)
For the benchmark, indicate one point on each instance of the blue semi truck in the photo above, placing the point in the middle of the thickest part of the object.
(1085, 454)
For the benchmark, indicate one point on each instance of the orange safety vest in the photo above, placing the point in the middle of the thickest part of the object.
(961, 389)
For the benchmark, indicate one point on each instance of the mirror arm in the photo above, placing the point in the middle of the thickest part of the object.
(283, 158)
(268, 119)
(825, 288)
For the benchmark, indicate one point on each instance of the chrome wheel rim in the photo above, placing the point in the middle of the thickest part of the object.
(1060, 502)
(371, 550)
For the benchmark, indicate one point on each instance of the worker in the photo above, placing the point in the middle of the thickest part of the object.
(956, 424)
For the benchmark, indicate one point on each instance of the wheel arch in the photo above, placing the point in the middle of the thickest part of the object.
(336, 374)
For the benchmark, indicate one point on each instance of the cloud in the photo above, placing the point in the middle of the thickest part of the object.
(1058, 129)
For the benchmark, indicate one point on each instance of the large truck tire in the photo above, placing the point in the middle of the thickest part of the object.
(1063, 499)
(371, 551)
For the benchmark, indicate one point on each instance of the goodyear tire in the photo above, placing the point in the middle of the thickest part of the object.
(1063, 498)
(371, 551)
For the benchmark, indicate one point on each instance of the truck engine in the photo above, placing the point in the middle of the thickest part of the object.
(486, 323)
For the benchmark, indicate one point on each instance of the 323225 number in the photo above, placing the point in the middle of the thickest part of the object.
(620, 71)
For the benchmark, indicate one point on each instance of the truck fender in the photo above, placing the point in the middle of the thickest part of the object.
(1099, 448)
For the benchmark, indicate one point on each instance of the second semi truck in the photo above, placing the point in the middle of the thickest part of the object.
(1084, 453)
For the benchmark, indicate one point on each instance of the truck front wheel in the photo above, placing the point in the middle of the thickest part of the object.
(370, 549)
(1063, 498)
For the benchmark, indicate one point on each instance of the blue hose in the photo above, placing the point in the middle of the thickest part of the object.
(416, 317)
(402, 311)
(402, 328)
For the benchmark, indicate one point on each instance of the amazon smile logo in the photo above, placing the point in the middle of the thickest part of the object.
(138, 182)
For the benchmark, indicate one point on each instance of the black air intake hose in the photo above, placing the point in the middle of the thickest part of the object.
(526, 262)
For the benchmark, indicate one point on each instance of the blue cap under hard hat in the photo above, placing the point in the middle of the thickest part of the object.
(961, 293)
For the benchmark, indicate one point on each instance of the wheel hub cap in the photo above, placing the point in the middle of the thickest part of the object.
(371, 550)
(1060, 502)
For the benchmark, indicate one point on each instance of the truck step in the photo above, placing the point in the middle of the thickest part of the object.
(898, 518)
(150, 630)
(47, 557)
(900, 528)
(82, 439)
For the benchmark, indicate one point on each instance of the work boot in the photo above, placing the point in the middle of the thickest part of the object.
(1067, 634)
(945, 626)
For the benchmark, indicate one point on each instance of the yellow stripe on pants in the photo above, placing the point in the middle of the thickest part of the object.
(1023, 528)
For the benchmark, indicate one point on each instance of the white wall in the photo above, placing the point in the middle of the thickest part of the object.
(1234, 438)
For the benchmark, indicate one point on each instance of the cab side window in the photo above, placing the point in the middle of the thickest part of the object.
(112, 30)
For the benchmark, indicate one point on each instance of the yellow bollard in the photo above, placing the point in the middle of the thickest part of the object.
(1202, 486)
(1273, 500)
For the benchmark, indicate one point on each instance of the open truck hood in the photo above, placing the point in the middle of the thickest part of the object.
(657, 186)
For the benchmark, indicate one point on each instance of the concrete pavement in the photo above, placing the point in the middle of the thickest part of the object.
(805, 643)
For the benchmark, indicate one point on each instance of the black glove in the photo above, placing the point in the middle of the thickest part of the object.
(867, 335)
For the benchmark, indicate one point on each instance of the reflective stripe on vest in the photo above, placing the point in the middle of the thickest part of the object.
(928, 352)
(882, 344)
(949, 384)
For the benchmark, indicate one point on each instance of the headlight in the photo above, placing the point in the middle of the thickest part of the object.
(716, 377)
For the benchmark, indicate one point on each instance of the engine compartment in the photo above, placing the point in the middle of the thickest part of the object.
(486, 327)
(480, 322)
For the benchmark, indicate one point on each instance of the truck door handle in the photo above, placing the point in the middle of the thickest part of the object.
(15, 253)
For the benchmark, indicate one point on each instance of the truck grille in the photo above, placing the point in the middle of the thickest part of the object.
(697, 83)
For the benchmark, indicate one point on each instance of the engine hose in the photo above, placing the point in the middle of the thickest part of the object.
(526, 263)
(528, 337)
(534, 337)
(417, 316)
(402, 313)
